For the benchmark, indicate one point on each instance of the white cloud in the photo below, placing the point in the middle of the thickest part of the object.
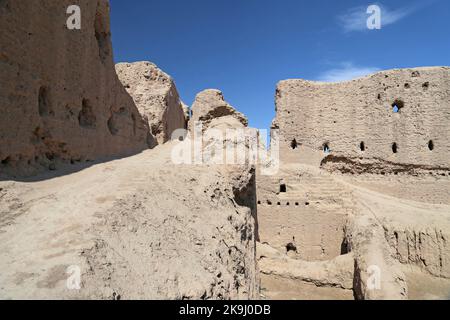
(346, 71)
(355, 19)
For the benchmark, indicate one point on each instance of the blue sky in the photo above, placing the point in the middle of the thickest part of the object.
(244, 47)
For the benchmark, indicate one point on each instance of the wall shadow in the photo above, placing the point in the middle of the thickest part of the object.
(61, 169)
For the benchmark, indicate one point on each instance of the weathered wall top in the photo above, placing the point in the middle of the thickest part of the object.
(155, 95)
(398, 119)
(209, 105)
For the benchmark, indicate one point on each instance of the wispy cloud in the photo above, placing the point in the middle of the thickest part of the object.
(355, 19)
(346, 71)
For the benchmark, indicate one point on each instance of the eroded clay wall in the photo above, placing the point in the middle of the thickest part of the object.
(60, 97)
(357, 122)
(156, 97)
(302, 214)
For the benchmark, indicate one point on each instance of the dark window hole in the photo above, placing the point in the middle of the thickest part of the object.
(291, 247)
(397, 105)
(102, 35)
(6, 160)
(431, 145)
(362, 146)
(394, 148)
(294, 144)
(283, 188)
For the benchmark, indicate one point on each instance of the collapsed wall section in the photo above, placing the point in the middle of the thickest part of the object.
(156, 97)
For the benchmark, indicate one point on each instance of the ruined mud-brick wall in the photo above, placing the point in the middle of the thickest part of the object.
(357, 121)
(60, 98)
(302, 214)
(156, 97)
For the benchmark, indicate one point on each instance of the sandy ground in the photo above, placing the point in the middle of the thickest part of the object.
(279, 288)
(140, 228)
(137, 227)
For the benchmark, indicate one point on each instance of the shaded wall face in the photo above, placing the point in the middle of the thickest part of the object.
(358, 119)
(60, 97)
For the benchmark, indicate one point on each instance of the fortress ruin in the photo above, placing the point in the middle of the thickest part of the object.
(359, 208)
(374, 148)
(392, 122)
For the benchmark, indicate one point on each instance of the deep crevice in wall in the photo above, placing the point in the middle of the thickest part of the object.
(345, 246)
(102, 35)
(112, 126)
(246, 197)
(86, 117)
(44, 102)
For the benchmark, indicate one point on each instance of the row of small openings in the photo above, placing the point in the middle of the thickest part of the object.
(425, 86)
(268, 202)
(362, 147)
(430, 146)
(325, 147)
